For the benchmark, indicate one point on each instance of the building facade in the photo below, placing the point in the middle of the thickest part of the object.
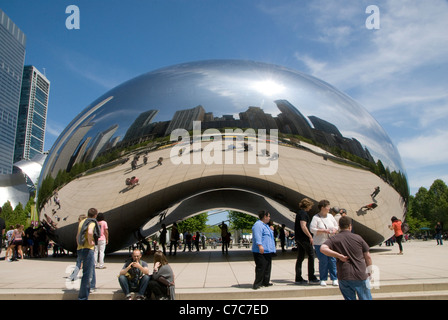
(32, 117)
(12, 57)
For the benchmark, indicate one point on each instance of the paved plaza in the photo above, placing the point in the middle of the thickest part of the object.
(209, 274)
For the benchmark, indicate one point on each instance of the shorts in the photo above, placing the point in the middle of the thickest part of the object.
(17, 242)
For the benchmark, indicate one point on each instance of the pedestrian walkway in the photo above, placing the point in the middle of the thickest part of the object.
(209, 274)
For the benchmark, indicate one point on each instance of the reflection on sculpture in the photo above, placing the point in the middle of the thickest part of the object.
(167, 127)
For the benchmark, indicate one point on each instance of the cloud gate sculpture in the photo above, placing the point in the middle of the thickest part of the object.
(224, 134)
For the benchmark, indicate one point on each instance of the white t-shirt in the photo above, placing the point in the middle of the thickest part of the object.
(318, 222)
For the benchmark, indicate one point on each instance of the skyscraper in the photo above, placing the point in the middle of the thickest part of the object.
(30, 134)
(12, 57)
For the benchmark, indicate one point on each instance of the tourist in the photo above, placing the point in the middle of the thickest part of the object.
(322, 226)
(304, 240)
(17, 241)
(354, 261)
(398, 233)
(439, 232)
(134, 276)
(282, 237)
(174, 238)
(88, 230)
(162, 238)
(225, 237)
(197, 239)
(188, 237)
(161, 283)
(103, 240)
(263, 247)
(10, 246)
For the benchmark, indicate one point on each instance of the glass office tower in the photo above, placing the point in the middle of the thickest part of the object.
(32, 116)
(12, 57)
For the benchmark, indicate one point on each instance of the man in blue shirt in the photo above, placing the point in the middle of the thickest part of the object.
(263, 247)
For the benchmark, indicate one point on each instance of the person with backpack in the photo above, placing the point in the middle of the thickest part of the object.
(134, 276)
(398, 232)
(87, 237)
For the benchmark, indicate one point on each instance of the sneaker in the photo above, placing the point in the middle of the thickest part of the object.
(301, 282)
(140, 297)
(128, 297)
(323, 283)
(335, 283)
(314, 281)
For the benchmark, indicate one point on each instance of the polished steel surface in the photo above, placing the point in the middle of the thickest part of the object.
(248, 135)
(13, 188)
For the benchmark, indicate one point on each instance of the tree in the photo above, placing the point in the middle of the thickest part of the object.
(437, 200)
(193, 224)
(7, 213)
(241, 221)
(14, 217)
(428, 206)
(19, 215)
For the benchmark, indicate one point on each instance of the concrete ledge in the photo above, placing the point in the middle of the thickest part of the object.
(394, 290)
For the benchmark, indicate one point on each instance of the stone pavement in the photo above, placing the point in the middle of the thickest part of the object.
(420, 273)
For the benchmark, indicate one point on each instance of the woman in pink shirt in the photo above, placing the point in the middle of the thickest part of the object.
(18, 241)
(103, 240)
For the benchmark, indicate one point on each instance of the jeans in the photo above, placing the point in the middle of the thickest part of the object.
(76, 269)
(99, 253)
(439, 239)
(349, 289)
(326, 265)
(142, 285)
(88, 280)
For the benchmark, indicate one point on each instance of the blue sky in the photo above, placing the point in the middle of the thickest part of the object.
(397, 72)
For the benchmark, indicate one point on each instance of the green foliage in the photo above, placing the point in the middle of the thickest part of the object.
(15, 216)
(428, 206)
(241, 221)
(193, 224)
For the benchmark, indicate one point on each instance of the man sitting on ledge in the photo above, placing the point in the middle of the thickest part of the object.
(134, 276)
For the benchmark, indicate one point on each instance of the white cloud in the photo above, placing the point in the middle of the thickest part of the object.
(53, 129)
(425, 178)
(412, 35)
(98, 72)
(425, 150)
